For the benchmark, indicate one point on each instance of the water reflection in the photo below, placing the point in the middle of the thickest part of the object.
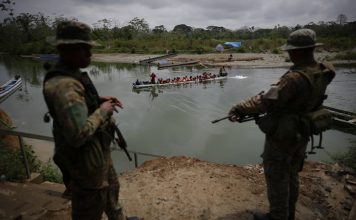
(152, 92)
(174, 120)
(23, 95)
(30, 71)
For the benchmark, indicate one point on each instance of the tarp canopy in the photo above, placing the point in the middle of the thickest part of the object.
(233, 44)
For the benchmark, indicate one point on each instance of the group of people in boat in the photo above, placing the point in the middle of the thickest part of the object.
(204, 76)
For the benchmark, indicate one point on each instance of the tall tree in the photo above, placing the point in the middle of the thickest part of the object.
(139, 24)
(183, 29)
(341, 19)
(159, 29)
(6, 5)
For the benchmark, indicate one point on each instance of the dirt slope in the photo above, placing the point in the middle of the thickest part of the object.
(186, 188)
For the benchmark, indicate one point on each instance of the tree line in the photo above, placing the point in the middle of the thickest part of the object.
(29, 33)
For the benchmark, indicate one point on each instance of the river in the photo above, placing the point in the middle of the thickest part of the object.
(175, 120)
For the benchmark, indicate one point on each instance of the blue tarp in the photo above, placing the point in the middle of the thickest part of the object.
(233, 44)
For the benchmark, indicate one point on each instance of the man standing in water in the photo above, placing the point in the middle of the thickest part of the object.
(153, 78)
(82, 126)
(298, 92)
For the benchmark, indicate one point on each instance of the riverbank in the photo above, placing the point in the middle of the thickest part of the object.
(188, 188)
(243, 60)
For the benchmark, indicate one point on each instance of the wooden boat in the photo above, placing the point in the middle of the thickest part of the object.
(177, 64)
(9, 87)
(141, 86)
(149, 60)
(343, 120)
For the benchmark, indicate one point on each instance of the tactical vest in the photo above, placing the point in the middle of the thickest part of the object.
(297, 115)
(315, 118)
(318, 82)
(91, 95)
(91, 159)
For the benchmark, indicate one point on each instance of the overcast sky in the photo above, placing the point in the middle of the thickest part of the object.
(232, 14)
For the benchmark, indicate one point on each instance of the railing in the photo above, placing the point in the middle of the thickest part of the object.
(22, 135)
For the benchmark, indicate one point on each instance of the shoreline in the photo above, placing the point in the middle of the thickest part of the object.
(45, 149)
(241, 60)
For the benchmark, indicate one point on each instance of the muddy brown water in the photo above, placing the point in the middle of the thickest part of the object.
(175, 120)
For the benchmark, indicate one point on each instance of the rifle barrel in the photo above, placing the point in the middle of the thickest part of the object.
(220, 119)
(244, 119)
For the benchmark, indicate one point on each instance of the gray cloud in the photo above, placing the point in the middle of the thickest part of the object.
(197, 13)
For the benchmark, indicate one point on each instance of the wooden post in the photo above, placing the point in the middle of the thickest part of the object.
(24, 157)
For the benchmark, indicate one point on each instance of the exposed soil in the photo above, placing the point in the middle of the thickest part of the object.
(187, 188)
(244, 60)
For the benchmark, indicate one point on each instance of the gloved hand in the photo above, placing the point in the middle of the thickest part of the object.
(235, 114)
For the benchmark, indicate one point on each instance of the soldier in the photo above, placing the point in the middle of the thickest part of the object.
(298, 92)
(82, 126)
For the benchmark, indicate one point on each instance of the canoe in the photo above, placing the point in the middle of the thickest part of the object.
(177, 83)
(149, 60)
(9, 87)
(343, 120)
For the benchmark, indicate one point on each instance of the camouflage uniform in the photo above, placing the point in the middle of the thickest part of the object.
(83, 134)
(287, 131)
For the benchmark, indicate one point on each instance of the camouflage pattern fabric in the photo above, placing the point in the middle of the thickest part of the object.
(83, 133)
(302, 38)
(73, 32)
(284, 154)
(90, 204)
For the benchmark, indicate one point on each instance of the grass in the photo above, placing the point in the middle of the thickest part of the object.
(12, 166)
(346, 56)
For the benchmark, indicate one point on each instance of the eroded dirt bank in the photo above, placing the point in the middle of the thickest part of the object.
(243, 60)
(187, 188)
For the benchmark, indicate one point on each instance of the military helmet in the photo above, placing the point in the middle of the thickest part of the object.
(299, 39)
(73, 32)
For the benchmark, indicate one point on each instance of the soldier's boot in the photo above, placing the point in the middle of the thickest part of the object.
(261, 216)
(116, 214)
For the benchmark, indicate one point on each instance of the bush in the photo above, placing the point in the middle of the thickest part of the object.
(346, 56)
(50, 172)
(276, 51)
(12, 166)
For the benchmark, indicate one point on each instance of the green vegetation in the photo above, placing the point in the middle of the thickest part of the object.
(349, 55)
(27, 34)
(349, 158)
(12, 166)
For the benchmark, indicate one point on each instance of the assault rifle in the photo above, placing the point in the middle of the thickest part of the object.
(240, 119)
(121, 142)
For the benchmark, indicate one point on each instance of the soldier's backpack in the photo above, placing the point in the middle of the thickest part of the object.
(318, 118)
